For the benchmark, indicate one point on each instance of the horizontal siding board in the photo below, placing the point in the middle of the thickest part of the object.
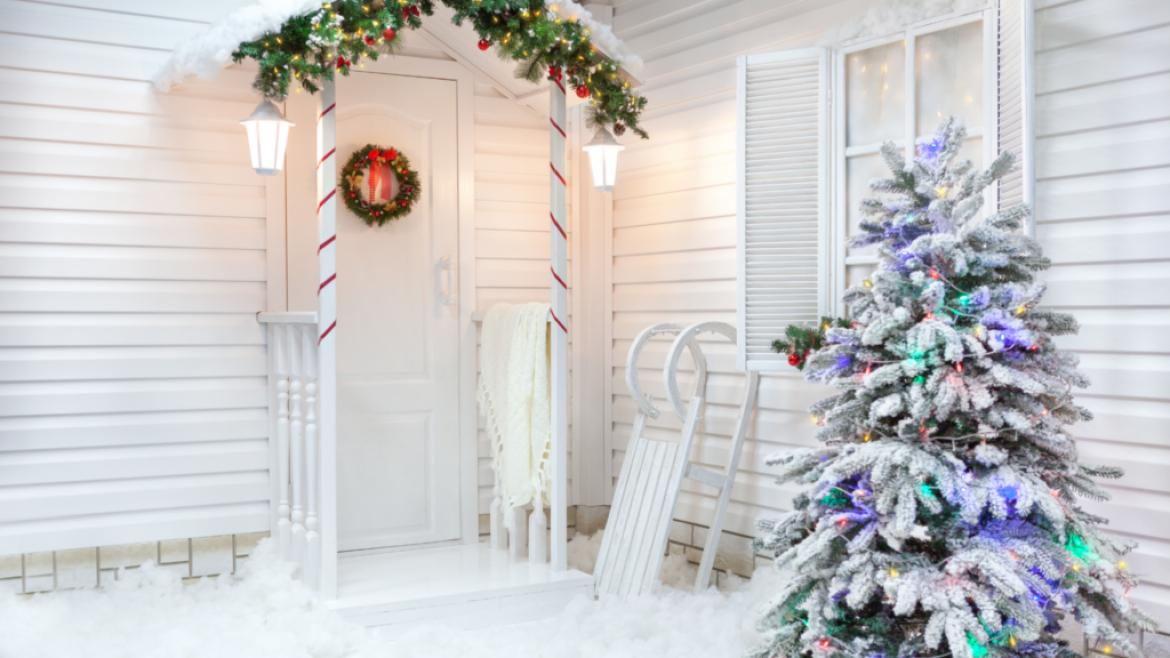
(53, 501)
(40, 467)
(1127, 55)
(61, 193)
(64, 329)
(99, 363)
(142, 263)
(131, 396)
(132, 527)
(114, 429)
(138, 230)
(76, 295)
(19, 156)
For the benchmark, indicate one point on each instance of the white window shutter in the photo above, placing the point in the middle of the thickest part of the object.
(783, 155)
(1013, 116)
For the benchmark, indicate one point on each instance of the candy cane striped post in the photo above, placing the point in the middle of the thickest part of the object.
(559, 327)
(327, 333)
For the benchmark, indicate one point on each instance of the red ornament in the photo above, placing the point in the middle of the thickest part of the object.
(370, 41)
(484, 44)
(582, 91)
(794, 359)
(374, 155)
(391, 155)
(342, 62)
(389, 33)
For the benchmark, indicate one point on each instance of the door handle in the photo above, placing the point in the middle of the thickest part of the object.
(443, 283)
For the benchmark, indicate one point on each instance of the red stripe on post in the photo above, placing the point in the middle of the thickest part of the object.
(560, 85)
(558, 278)
(326, 157)
(328, 241)
(326, 111)
(558, 127)
(558, 174)
(331, 279)
(327, 331)
(326, 199)
(558, 321)
(560, 229)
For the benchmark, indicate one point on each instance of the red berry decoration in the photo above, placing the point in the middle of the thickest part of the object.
(370, 41)
(390, 155)
(389, 33)
(794, 359)
(342, 62)
(484, 44)
(582, 91)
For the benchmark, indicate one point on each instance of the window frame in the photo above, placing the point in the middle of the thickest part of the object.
(838, 232)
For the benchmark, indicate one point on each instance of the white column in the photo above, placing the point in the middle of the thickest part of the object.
(327, 333)
(559, 327)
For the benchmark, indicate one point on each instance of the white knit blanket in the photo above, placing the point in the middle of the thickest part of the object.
(514, 399)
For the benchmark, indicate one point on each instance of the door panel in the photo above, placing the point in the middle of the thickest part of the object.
(398, 344)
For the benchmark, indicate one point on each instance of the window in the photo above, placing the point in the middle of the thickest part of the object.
(898, 89)
(811, 123)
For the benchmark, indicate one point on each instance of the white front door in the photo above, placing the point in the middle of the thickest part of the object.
(398, 478)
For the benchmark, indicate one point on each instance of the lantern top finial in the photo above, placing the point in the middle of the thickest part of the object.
(267, 111)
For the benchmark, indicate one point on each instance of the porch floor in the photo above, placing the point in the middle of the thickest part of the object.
(464, 586)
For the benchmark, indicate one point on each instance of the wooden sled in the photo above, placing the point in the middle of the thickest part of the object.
(635, 538)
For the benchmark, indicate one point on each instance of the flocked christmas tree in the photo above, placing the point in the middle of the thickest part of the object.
(941, 515)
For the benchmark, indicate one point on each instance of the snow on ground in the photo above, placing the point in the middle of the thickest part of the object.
(263, 612)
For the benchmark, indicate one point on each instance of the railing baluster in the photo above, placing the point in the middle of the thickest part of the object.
(278, 342)
(297, 440)
(312, 563)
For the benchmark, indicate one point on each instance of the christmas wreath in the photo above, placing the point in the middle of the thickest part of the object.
(368, 180)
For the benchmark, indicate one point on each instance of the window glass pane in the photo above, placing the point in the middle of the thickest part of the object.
(859, 171)
(949, 74)
(855, 274)
(875, 94)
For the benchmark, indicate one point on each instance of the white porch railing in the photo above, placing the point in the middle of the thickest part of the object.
(292, 380)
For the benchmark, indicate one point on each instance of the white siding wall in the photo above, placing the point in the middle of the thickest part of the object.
(1103, 215)
(674, 227)
(132, 262)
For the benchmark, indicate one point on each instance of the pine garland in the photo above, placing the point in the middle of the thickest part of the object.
(799, 342)
(312, 47)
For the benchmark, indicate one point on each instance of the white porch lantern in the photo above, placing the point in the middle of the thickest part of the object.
(267, 138)
(603, 159)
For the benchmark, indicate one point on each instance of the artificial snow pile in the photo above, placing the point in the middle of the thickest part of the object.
(264, 612)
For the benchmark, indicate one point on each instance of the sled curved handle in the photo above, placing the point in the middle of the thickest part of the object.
(632, 377)
(687, 338)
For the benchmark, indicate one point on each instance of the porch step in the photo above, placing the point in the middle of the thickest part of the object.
(464, 586)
